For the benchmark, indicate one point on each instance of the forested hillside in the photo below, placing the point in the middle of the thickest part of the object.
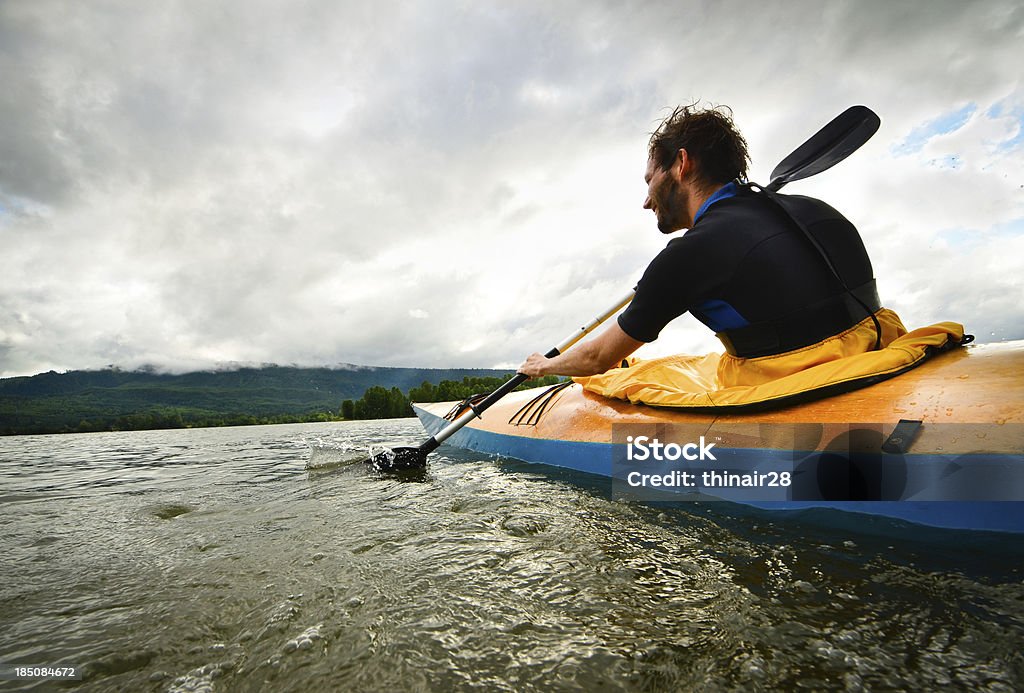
(114, 399)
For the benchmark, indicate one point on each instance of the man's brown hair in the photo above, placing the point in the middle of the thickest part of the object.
(709, 136)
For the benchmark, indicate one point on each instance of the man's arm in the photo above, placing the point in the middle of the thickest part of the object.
(587, 358)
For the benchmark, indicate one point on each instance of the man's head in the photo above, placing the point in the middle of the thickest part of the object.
(691, 154)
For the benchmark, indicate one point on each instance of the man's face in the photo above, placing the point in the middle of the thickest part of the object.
(665, 197)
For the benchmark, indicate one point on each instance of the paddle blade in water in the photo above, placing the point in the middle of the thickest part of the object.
(398, 460)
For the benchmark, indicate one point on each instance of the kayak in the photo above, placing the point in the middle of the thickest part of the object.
(941, 445)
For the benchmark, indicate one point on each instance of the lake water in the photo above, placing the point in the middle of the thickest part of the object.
(218, 559)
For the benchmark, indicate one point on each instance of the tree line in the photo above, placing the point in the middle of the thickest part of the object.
(98, 409)
(159, 418)
(381, 403)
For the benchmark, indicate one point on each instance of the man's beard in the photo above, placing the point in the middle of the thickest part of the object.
(670, 210)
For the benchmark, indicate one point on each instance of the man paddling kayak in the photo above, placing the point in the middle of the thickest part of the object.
(687, 186)
(745, 267)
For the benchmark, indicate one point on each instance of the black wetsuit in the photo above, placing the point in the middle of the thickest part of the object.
(748, 272)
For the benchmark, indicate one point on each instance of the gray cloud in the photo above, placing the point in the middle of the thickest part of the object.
(439, 184)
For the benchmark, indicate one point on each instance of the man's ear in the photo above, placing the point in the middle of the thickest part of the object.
(682, 166)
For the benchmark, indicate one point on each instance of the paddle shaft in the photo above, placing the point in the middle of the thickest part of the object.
(475, 410)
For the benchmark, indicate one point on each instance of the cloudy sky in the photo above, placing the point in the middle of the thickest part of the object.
(457, 184)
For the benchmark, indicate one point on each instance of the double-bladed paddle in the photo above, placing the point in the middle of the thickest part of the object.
(826, 148)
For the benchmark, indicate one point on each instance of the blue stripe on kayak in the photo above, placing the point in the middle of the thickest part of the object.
(596, 458)
(593, 458)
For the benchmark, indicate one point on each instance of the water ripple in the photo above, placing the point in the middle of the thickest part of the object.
(270, 558)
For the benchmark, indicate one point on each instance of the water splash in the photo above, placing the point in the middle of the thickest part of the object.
(325, 455)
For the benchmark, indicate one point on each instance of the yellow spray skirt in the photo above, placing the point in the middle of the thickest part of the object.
(837, 364)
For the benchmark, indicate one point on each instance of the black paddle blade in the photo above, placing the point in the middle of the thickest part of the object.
(398, 460)
(827, 147)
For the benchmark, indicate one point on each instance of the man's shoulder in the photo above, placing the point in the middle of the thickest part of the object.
(744, 203)
(808, 209)
(754, 207)
(744, 213)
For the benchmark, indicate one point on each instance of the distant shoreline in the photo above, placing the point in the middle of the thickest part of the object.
(116, 400)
